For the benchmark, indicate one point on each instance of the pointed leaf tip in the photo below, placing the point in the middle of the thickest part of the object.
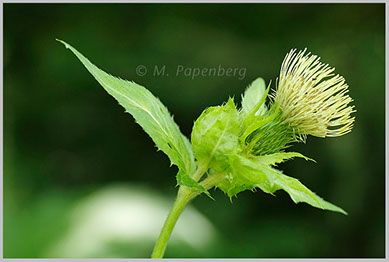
(67, 46)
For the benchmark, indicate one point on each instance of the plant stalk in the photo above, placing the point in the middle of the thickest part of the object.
(184, 196)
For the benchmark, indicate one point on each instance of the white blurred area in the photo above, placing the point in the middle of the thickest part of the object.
(127, 214)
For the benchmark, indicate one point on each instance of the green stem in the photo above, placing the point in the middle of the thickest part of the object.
(185, 194)
(183, 198)
(199, 173)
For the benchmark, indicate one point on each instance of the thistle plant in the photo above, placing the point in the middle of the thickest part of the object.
(236, 149)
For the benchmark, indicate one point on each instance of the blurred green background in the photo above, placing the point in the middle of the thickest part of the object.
(82, 179)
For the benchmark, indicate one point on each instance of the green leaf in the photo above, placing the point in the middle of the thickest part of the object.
(329, 206)
(150, 113)
(253, 123)
(296, 190)
(246, 173)
(232, 187)
(254, 94)
(184, 179)
(277, 158)
(215, 136)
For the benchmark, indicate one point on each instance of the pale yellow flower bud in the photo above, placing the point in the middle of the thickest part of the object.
(313, 100)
